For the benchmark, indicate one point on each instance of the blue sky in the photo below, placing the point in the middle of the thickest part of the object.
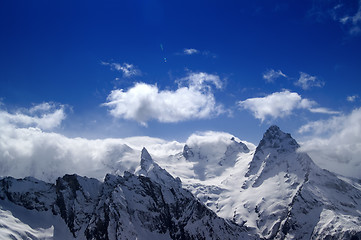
(239, 65)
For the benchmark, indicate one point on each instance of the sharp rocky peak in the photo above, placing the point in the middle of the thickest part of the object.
(275, 138)
(146, 160)
(151, 169)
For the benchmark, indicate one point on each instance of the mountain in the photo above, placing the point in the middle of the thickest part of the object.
(217, 187)
(278, 191)
(150, 205)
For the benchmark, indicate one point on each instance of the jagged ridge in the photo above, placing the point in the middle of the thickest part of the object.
(123, 207)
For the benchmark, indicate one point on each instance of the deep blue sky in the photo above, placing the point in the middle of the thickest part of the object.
(62, 51)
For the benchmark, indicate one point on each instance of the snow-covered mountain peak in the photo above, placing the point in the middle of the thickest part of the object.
(146, 160)
(212, 155)
(236, 147)
(277, 139)
(276, 155)
(149, 168)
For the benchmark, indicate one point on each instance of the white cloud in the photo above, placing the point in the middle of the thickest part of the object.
(193, 51)
(209, 149)
(212, 144)
(144, 102)
(347, 13)
(280, 104)
(190, 51)
(306, 81)
(352, 98)
(199, 80)
(276, 105)
(353, 21)
(271, 75)
(323, 110)
(335, 143)
(127, 69)
(45, 116)
(43, 107)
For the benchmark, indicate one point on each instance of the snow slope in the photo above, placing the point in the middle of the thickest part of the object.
(273, 189)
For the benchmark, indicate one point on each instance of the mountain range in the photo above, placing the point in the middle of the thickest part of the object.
(227, 189)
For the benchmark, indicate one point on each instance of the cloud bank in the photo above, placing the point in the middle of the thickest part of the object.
(143, 102)
(335, 143)
(28, 150)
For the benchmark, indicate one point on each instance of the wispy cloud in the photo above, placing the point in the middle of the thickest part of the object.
(307, 81)
(193, 99)
(335, 143)
(207, 53)
(193, 51)
(353, 20)
(279, 105)
(190, 51)
(272, 75)
(324, 111)
(127, 69)
(352, 98)
(200, 80)
(346, 13)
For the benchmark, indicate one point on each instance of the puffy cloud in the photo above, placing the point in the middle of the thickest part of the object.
(281, 104)
(335, 143)
(144, 102)
(45, 116)
(127, 69)
(306, 81)
(190, 51)
(352, 98)
(276, 105)
(271, 75)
